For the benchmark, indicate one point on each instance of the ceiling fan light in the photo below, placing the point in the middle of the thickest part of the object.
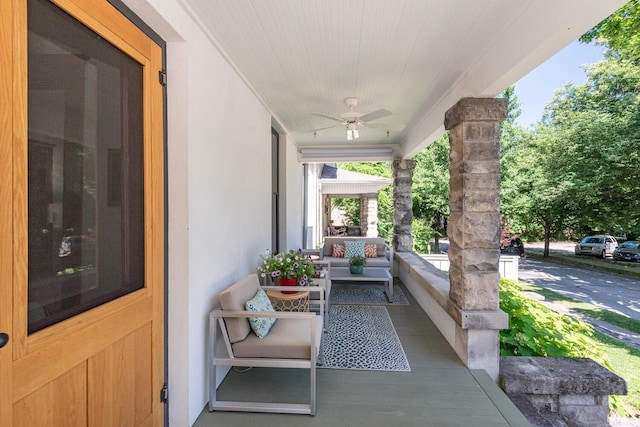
(349, 134)
(356, 134)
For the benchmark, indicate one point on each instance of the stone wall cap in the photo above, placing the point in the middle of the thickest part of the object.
(558, 375)
(484, 319)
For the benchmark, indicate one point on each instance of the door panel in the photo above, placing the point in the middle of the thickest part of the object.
(51, 358)
(122, 384)
(64, 398)
(102, 363)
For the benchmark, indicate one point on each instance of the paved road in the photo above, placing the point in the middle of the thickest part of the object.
(614, 292)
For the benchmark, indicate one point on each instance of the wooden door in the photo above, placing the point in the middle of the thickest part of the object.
(81, 217)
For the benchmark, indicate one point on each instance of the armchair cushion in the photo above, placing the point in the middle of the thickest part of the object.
(260, 302)
(288, 339)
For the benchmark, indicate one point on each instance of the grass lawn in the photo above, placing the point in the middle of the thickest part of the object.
(622, 359)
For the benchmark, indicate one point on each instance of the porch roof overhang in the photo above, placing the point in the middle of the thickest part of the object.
(348, 182)
(415, 59)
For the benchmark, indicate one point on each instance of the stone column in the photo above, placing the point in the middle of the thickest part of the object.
(474, 227)
(364, 201)
(402, 204)
(369, 214)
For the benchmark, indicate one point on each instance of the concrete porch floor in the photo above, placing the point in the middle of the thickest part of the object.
(439, 390)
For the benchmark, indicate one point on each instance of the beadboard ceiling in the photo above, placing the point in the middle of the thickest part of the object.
(415, 58)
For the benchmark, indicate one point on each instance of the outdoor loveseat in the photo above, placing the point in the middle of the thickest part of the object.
(383, 252)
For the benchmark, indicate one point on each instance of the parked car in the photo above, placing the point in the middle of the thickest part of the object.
(628, 251)
(515, 247)
(600, 245)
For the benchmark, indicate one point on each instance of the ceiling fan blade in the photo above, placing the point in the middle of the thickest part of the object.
(326, 116)
(375, 115)
(386, 126)
(325, 128)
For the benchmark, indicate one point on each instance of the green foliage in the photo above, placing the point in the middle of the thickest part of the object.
(513, 105)
(593, 133)
(514, 141)
(620, 32)
(624, 361)
(286, 265)
(357, 261)
(421, 233)
(430, 193)
(351, 208)
(576, 171)
(535, 330)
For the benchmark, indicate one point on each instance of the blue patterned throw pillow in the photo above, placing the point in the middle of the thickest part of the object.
(260, 302)
(353, 248)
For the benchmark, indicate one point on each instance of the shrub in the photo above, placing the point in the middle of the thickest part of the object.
(535, 330)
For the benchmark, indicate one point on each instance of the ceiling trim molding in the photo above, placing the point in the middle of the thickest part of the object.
(345, 154)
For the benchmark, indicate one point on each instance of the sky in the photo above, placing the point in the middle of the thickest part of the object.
(536, 88)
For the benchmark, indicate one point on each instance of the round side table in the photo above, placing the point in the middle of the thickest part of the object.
(289, 302)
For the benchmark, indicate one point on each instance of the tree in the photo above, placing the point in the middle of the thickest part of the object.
(620, 32)
(577, 170)
(596, 132)
(515, 145)
(431, 194)
(551, 188)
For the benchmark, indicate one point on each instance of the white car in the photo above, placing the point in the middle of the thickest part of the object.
(600, 245)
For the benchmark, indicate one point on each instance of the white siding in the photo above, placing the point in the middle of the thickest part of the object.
(219, 192)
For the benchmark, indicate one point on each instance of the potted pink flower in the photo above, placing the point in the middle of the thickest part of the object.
(291, 265)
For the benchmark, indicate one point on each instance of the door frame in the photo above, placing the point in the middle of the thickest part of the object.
(6, 208)
(146, 29)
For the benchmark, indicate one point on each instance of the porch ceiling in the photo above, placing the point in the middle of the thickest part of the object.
(415, 58)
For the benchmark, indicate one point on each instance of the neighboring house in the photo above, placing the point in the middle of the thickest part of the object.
(325, 182)
(216, 158)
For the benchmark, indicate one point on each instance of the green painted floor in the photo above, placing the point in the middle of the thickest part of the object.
(439, 390)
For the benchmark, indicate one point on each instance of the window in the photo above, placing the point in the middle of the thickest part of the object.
(85, 172)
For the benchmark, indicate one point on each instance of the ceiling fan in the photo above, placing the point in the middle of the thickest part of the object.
(353, 119)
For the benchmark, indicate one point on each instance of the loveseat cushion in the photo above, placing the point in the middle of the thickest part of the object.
(288, 339)
(337, 250)
(329, 241)
(370, 250)
(353, 248)
(371, 262)
(234, 298)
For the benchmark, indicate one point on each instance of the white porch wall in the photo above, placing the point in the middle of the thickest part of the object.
(314, 206)
(219, 192)
(294, 197)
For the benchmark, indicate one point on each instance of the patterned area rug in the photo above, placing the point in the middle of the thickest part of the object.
(362, 337)
(349, 293)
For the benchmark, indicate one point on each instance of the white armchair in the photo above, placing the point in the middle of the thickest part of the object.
(292, 342)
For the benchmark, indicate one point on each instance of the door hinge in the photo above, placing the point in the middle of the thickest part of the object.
(164, 394)
(163, 77)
